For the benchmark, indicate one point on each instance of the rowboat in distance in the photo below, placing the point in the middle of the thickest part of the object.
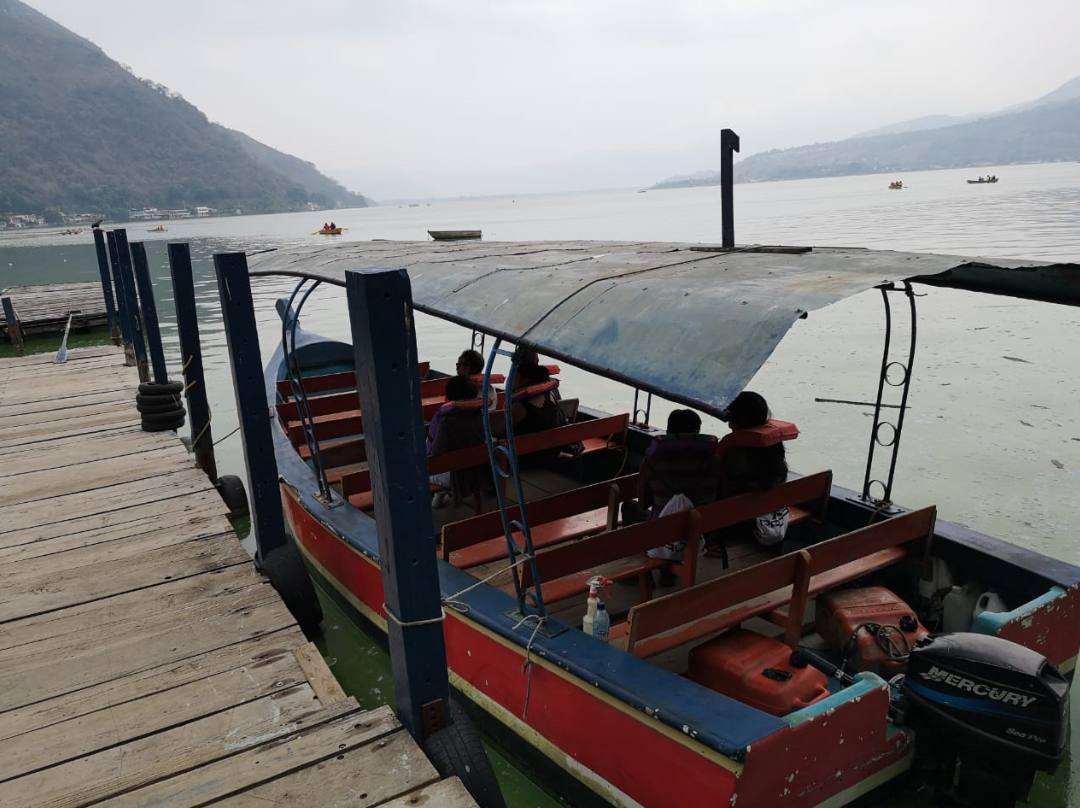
(896, 185)
(330, 231)
(454, 235)
(988, 179)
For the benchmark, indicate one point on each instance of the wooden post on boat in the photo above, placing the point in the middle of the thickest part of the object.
(187, 323)
(149, 312)
(14, 327)
(275, 553)
(106, 285)
(121, 299)
(729, 142)
(384, 344)
(123, 254)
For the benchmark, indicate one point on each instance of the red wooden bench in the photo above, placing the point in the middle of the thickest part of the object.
(618, 554)
(779, 588)
(602, 432)
(342, 380)
(562, 517)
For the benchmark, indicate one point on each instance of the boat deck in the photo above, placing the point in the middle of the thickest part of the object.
(45, 309)
(142, 659)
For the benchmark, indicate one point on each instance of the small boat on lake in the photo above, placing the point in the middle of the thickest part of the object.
(454, 235)
(159, 229)
(716, 684)
(329, 231)
(896, 185)
(989, 179)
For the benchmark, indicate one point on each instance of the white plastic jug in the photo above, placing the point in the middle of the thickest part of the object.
(989, 601)
(959, 608)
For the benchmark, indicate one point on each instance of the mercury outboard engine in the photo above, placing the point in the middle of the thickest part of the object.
(987, 714)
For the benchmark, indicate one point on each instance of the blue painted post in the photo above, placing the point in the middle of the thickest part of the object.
(149, 312)
(275, 554)
(131, 300)
(729, 142)
(384, 342)
(121, 299)
(106, 285)
(14, 327)
(187, 323)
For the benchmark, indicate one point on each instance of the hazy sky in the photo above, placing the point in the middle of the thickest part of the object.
(415, 97)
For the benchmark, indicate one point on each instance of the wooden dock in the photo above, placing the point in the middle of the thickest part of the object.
(143, 661)
(45, 309)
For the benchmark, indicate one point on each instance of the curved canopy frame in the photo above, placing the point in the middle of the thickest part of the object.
(690, 322)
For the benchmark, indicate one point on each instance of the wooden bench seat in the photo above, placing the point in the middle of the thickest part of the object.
(778, 588)
(340, 380)
(356, 486)
(562, 517)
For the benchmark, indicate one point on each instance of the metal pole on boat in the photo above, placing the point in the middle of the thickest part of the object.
(14, 327)
(187, 323)
(121, 299)
(384, 344)
(729, 143)
(275, 553)
(106, 285)
(123, 255)
(149, 312)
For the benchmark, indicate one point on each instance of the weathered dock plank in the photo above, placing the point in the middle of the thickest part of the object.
(143, 661)
(45, 309)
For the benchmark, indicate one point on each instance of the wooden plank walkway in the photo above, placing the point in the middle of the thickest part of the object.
(45, 309)
(143, 661)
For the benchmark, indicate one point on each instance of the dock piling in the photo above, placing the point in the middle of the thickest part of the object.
(121, 299)
(187, 323)
(106, 285)
(123, 253)
(149, 312)
(384, 343)
(729, 142)
(14, 328)
(275, 554)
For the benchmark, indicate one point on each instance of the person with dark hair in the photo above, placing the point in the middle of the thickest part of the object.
(752, 458)
(534, 409)
(457, 425)
(683, 461)
(470, 363)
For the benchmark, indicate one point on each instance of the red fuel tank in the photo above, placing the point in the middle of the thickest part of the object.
(870, 627)
(756, 671)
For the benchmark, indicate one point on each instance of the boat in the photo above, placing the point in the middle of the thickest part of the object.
(329, 231)
(896, 185)
(159, 229)
(988, 179)
(688, 702)
(454, 235)
(71, 231)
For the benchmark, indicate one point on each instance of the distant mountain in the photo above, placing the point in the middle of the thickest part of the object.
(80, 133)
(1046, 129)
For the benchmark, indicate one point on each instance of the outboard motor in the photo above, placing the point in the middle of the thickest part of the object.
(987, 713)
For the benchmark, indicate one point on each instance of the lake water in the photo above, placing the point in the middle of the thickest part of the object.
(993, 434)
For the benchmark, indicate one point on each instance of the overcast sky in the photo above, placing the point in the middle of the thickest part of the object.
(413, 97)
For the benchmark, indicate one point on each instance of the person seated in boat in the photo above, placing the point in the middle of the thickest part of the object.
(752, 458)
(457, 424)
(325, 226)
(527, 356)
(470, 365)
(682, 461)
(535, 408)
(333, 226)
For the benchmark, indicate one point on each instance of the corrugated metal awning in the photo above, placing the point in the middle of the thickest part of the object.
(687, 322)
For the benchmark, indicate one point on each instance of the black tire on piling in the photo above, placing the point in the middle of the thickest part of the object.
(160, 406)
(456, 750)
(155, 389)
(233, 494)
(288, 575)
(162, 421)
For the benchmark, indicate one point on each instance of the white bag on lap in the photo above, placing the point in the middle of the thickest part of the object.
(674, 551)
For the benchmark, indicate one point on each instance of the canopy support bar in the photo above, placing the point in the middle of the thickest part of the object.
(894, 374)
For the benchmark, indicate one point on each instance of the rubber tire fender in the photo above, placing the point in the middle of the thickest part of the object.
(159, 398)
(233, 493)
(160, 421)
(155, 389)
(456, 750)
(286, 571)
(160, 409)
(162, 427)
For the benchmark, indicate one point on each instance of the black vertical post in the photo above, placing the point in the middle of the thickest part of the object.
(187, 323)
(14, 327)
(252, 407)
(121, 299)
(131, 300)
(729, 142)
(384, 342)
(106, 285)
(149, 312)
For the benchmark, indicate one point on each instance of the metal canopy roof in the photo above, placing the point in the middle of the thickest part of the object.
(685, 321)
